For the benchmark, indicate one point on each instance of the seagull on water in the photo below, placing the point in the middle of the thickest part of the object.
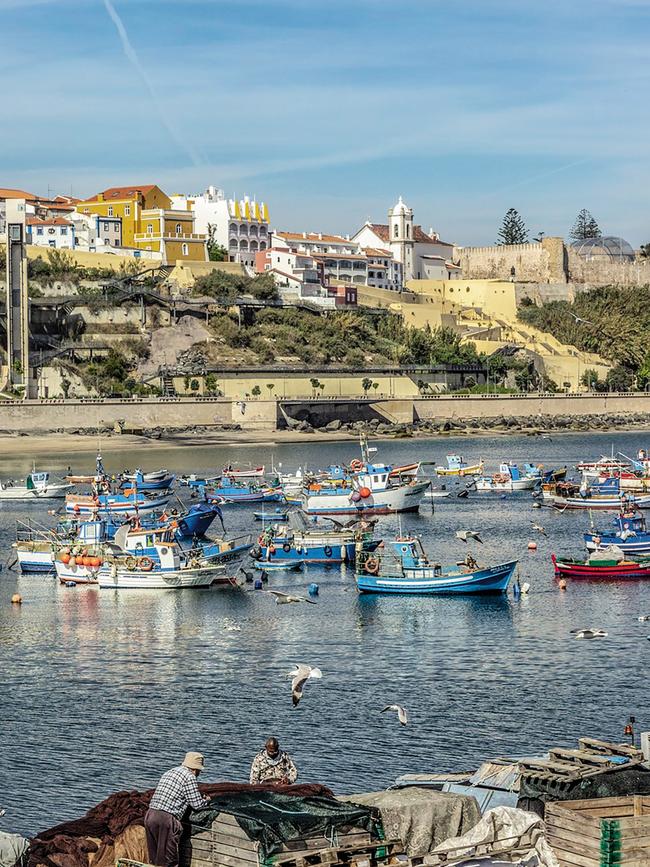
(299, 677)
(286, 598)
(643, 618)
(589, 633)
(401, 713)
(537, 527)
(464, 535)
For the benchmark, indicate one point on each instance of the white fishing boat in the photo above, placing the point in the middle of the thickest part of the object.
(245, 473)
(37, 486)
(510, 478)
(370, 492)
(458, 466)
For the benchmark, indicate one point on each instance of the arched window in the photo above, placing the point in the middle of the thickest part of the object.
(243, 244)
(253, 231)
(408, 231)
(179, 229)
(262, 245)
(396, 231)
(253, 246)
(233, 228)
(243, 229)
(233, 243)
(186, 250)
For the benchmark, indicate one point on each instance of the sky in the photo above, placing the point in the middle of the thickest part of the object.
(328, 110)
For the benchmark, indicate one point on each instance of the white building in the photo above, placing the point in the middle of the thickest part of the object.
(423, 256)
(55, 232)
(241, 226)
(96, 234)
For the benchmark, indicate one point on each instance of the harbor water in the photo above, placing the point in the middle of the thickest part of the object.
(104, 690)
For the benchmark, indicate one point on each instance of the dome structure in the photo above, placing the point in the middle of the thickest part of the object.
(605, 247)
(400, 209)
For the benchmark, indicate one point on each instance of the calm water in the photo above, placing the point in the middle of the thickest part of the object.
(102, 691)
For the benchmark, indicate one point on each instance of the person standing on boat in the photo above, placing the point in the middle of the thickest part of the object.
(176, 791)
(271, 765)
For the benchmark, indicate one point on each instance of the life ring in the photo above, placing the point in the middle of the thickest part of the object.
(286, 547)
(131, 563)
(356, 465)
(145, 564)
(327, 550)
(372, 565)
(405, 549)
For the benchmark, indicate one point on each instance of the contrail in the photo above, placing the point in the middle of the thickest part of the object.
(133, 58)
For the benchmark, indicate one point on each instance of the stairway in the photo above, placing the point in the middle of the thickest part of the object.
(168, 386)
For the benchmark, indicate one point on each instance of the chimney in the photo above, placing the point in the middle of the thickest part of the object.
(304, 234)
(320, 236)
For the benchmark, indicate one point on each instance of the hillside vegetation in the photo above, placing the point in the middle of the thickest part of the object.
(611, 321)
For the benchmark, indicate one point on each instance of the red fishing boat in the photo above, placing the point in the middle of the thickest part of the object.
(606, 565)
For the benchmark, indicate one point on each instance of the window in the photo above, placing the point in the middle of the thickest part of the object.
(39, 230)
(150, 228)
(52, 243)
(64, 230)
(396, 231)
(408, 231)
(127, 210)
(110, 210)
(186, 250)
(107, 241)
(117, 227)
(107, 227)
(179, 229)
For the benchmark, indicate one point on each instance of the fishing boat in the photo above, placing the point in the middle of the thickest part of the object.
(130, 502)
(230, 491)
(407, 570)
(603, 496)
(277, 516)
(320, 540)
(160, 480)
(250, 473)
(610, 563)
(369, 492)
(602, 466)
(510, 478)
(458, 466)
(630, 535)
(37, 487)
(437, 493)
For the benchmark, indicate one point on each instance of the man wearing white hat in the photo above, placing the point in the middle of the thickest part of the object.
(176, 791)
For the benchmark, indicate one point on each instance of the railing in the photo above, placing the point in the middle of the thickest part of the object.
(167, 236)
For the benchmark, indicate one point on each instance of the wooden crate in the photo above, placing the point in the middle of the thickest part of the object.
(602, 832)
(226, 844)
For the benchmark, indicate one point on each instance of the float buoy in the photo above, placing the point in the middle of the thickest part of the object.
(16, 599)
(65, 558)
(365, 493)
(532, 546)
(313, 589)
(561, 584)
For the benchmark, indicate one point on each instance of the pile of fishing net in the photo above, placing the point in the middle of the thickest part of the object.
(115, 827)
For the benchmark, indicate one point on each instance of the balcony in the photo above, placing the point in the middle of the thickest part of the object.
(167, 236)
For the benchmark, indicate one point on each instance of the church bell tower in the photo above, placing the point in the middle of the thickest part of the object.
(400, 227)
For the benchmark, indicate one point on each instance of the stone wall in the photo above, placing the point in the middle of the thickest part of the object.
(603, 271)
(539, 262)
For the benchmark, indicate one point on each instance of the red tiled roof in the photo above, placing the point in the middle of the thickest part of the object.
(113, 193)
(51, 221)
(373, 251)
(381, 231)
(313, 237)
(8, 193)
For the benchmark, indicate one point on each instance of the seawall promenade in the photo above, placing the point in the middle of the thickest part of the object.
(40, 416)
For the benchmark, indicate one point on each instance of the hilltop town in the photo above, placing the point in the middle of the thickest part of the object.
(134, 292)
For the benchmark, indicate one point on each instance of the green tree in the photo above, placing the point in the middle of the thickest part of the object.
(315, 384)
(195, 385)
(256, 391)
(513, 229)
(584, 227)
(375, 385)
(366, 384)
(645, 251)
(620, 378)
(211, 385)
(270, 386)
(216, 252)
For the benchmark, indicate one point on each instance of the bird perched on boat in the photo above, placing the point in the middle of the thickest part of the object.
(299, 677)
(464, 535)
(399, 710)
(285, 598)
(580, 319)
(589, 633)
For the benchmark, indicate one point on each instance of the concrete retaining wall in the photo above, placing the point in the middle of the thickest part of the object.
(33, 416)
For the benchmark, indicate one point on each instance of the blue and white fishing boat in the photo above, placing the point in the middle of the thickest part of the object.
(410, 571)
(276, 516)
(159, 480)
(602, 496)
(629, 534)
(510, 478)
(320, 540)
(129, 502)
(279, 565)
(231, 491)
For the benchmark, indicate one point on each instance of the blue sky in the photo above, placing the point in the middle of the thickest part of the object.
(330, 109)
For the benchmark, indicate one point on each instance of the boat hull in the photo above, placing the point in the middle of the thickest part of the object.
(405, 498)
(474, 470)
(426, 582)
(123, 579)
(620, 571)
(608, 504)
(489, 485)
(105, 507)
(53, 492)
(35, 561)
(639, 544)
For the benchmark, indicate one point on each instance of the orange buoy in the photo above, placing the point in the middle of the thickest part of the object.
(532, 546)
(16, 599)
(96, 562)
(561, 584)
(365, 492)
(65, 558)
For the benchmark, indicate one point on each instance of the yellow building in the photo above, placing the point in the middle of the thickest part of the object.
(149, 222)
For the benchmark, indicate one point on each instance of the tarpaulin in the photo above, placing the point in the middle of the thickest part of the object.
(13, 850)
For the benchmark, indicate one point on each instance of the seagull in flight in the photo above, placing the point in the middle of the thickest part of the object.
(537, 527)
(464, 535)
(580, 319)
(286, 598)
(401, 713)
(299, 677)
